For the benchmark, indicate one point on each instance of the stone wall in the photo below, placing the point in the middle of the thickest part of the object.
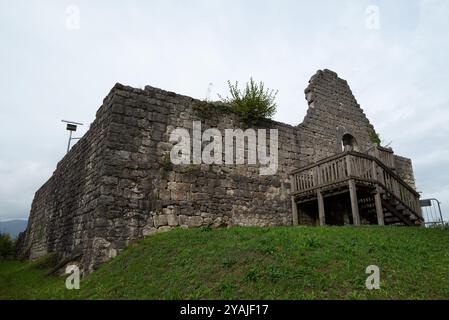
(142, 193)
(333, 111)
(117, 184)
(404, 169)
(64, 210)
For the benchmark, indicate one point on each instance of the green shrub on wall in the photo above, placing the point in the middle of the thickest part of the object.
(375, 138)
(211, 110)
(254, 103)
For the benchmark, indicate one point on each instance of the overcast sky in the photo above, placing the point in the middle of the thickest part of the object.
(53, 68)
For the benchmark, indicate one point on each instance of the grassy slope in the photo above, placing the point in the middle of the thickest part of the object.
(257, 263)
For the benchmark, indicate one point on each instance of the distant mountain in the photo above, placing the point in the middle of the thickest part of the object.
(13, 227)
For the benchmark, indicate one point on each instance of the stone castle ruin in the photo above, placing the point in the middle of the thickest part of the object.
(117, 184)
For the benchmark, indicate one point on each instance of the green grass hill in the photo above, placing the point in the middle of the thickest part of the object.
(255, 263)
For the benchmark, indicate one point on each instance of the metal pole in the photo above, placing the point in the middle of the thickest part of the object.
(439, 209)
(70, 139)
(441, 215)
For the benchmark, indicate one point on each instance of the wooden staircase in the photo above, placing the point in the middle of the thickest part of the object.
(383, 194)
(394, 212)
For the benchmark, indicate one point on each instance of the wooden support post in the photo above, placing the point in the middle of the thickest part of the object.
(374, 168)
(346, 220)
(321, 213)
(318, 176)
(354, 204)
(294, 211)
(379, 210)
(348, 165)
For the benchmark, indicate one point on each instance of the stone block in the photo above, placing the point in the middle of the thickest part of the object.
(164, 229)
(172, 220)
(160, 220)
(194, 221)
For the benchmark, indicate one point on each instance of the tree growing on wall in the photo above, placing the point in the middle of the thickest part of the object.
(254, 103)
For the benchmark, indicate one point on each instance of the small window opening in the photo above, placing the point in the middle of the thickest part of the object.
(349, 143)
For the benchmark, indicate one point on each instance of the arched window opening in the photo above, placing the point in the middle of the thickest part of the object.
(349, 143)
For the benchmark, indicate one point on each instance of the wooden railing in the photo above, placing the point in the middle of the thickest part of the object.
(383, 154)
(360, 167)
